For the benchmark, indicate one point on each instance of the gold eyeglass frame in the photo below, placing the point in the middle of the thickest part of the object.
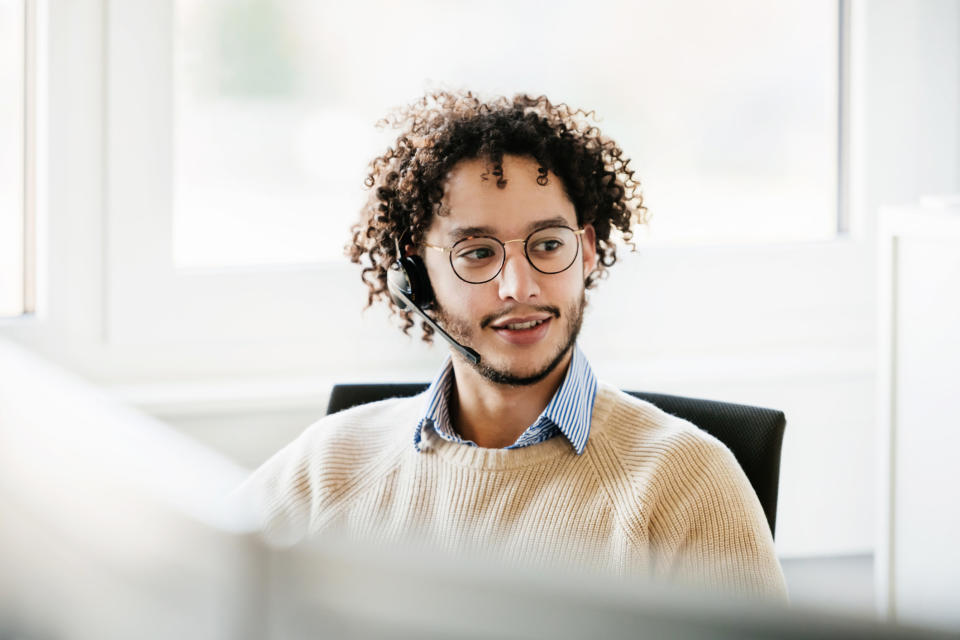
(503, 256)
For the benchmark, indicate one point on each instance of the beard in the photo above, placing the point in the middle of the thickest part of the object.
(460, 329)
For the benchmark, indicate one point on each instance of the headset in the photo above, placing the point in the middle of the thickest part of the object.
(409, 287)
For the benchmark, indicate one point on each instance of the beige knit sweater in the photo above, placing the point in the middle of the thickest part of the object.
(651, 494)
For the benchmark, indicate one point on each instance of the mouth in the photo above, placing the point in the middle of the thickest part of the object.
(521, 325)
(523, 331)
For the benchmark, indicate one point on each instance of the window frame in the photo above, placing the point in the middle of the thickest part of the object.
(33, 61)
(279, 309)
(27, 177)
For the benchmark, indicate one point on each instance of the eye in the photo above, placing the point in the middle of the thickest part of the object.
(476, 253)
(547, 245)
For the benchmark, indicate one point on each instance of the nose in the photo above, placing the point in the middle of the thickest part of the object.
(517, 279)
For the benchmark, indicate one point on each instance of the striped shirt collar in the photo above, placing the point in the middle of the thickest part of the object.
(569, 411)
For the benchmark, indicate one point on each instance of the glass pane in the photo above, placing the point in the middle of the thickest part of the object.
(11, 157)
(730, 118)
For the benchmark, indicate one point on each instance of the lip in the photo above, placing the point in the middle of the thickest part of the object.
(524, 336)
(501, 324)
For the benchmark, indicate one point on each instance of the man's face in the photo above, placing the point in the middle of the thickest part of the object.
(495, 317)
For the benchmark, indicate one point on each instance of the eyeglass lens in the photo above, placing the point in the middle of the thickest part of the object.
(550, 250)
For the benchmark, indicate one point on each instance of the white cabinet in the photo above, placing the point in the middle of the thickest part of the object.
(918, 543)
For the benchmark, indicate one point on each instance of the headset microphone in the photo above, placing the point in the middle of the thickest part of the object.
(409, 288)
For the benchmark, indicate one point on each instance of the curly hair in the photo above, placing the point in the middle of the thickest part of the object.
(442, 128)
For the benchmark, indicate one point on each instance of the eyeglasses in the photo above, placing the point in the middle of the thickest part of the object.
(479, 259)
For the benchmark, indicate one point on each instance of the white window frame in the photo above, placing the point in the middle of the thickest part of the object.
(28, 164)
(150, 305)
(33, 60)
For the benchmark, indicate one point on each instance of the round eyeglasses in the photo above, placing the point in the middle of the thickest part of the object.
(479, 259)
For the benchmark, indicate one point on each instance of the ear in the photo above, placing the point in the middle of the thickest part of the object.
(409, 250)
(588, 240)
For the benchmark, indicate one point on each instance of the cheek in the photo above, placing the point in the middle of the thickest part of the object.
(439, 278)
(475, 300)
(451, 293)
(565, 285)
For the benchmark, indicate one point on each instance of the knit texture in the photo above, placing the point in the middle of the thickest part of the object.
(651, 494)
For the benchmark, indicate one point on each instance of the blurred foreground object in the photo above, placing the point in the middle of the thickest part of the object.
(333, 586)
(110, 525)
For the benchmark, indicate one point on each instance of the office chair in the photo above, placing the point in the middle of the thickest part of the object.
(753, 434)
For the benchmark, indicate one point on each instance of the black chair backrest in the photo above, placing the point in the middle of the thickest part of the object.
(753, 434)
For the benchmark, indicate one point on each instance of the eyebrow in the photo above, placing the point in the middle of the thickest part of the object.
(459, 233)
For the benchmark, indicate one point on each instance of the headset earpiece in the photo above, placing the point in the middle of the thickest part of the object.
(409, 275)
(409, 288)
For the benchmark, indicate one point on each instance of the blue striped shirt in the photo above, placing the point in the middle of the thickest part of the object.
(568, 412)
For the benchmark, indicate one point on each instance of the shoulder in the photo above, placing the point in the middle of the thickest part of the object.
(670, 466)
(641, 433)
(332, 460)
(365, 427)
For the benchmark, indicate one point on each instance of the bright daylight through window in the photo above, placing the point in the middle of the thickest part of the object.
(11, 157)
(731, 116)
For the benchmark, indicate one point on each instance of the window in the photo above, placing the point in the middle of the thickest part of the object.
(728, 110)
(12, 92)
(232, 173)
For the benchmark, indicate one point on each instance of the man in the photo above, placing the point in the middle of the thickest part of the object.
(501, 215)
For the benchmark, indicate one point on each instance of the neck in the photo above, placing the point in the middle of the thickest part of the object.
(495, 415)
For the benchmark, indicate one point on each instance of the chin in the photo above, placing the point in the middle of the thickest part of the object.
(519, 377)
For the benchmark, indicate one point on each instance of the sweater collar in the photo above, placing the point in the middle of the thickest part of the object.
(569, 411)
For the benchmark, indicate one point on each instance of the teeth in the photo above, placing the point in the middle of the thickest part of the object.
(524, 325)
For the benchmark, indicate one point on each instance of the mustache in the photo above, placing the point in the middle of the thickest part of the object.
(493, 317)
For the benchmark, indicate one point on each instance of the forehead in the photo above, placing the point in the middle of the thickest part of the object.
(471, 198)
